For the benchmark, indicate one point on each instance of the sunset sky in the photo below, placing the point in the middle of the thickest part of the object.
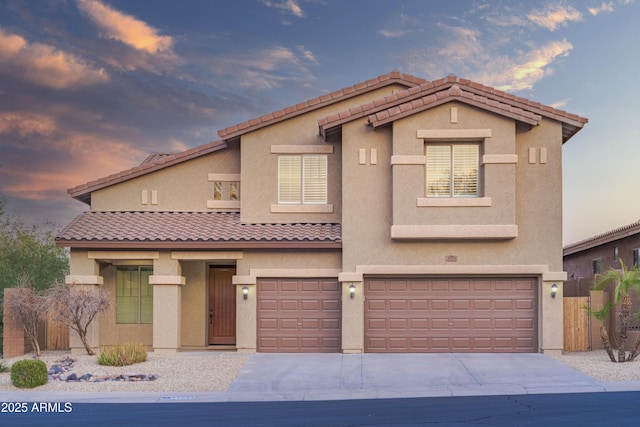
(89, 88)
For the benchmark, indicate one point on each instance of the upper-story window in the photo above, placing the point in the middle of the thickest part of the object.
(226, 190)
(636, 257)
(302, 179)
(452, 170)
(596, 265)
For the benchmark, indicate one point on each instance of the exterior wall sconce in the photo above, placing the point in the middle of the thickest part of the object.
(245, 292)
(352, 290)
(554, 290)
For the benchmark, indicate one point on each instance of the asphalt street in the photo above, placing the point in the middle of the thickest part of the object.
(583, 409)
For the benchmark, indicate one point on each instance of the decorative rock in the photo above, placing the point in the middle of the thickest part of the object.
(59, 372)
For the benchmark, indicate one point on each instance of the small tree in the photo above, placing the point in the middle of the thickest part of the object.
(77, 308)
(626, 281)
(27, 306)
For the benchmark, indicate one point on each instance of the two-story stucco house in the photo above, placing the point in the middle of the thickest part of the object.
(395, 215)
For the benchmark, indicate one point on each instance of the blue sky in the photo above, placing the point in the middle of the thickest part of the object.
(90, 87)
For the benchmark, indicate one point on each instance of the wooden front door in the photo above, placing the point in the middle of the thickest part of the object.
(222, 306)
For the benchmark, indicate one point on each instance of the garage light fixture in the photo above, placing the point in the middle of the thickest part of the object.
(554, 290)
(352, 290)
(245, 292)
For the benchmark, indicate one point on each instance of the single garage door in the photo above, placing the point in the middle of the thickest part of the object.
(299, 315)
(451, 315)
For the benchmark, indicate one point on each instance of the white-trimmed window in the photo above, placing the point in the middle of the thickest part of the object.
(302, 179)
(134, 294)
(452, 170)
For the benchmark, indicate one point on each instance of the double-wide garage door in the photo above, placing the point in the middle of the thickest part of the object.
(299, 315)
(450, 315)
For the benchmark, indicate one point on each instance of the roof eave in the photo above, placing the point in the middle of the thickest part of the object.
(130, 244)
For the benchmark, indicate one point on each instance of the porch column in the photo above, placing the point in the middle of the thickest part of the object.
(352, 312)
(84, 275)
(167, 284)
(246, 314)
(552, 339)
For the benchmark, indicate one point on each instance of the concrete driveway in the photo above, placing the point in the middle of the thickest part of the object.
(350, 376)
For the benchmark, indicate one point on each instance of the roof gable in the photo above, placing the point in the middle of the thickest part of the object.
(151, 163)
(395, 77)
(418, 98)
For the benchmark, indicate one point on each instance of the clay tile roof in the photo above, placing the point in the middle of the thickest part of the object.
(459, 88)
(601, 239)
(453, 93)
(151, 163)
(191, 230)
(236, 131)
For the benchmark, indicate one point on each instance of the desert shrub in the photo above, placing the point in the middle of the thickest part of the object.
(3, 366)
(29, 373)
(122, 354)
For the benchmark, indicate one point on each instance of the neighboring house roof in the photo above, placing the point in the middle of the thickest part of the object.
(601, 239)
(151, 163)
(395, 77)
(430, 94)
(192, 230)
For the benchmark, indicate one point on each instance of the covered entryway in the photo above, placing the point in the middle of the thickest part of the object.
(451, 315)
(222, 306)
(299, 315)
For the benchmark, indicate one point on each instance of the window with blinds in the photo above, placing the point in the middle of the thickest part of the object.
(302, 179)
(134, 295)
(452, 170)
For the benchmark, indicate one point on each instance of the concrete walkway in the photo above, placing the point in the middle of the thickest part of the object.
(276, 377)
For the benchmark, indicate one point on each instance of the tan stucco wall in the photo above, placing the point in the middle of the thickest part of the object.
(259, 172)
(536, 206)
(183, 187)
(194, 303)
(409, 180)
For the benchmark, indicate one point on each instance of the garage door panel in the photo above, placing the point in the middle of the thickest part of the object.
(299, 315)
(397, 305)
(445, 315)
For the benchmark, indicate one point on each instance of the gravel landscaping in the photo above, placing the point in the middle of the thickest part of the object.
(597, 365)
(186, 371)
(213, 371)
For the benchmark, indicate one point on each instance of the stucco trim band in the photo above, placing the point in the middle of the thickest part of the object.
(454, 232)
(485, 270)
(301, 149)
(206, 255)
(428, 202)
(225, 177)
(294, 272)
(499, 159)
(167, 280)
(223, 204)
(408, 160)
(131, 255)
(350, 277)
(301, 208)
(554, 276)
(244, 280)
(78, 279)
(458, 134)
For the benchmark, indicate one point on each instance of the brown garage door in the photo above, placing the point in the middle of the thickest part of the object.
(299, 315)
(450, 315)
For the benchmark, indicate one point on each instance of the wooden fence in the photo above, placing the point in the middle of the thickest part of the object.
(576, 323)
(57, 335)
